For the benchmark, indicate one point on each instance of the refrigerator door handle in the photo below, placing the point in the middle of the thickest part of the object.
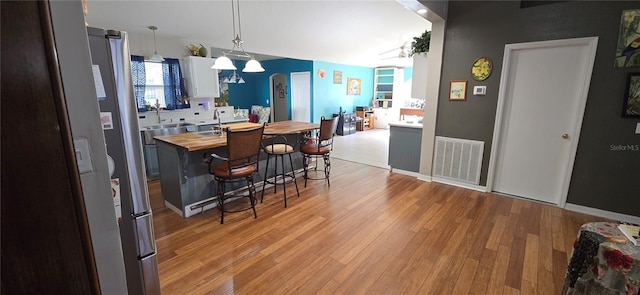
(149, 267)
(144, 231)
(129, 120)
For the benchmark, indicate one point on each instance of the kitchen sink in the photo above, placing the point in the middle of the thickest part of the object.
(166, 129)
(210, 133)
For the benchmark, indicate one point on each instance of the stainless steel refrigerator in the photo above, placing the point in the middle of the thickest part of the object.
(118, 112)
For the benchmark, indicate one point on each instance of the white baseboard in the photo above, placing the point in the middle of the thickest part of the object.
(404, 172)
(460, 184)
(173, 208)
(603, 213)
(423, 177)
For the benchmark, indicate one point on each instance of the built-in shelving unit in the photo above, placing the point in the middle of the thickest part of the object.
(384, 80)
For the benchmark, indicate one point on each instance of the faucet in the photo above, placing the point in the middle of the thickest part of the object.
(157, 105)
(216, 115)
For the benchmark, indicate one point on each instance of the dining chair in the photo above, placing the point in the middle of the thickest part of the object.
(240, 164)
(319, 145)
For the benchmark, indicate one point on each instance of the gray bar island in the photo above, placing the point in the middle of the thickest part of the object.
(184, 180)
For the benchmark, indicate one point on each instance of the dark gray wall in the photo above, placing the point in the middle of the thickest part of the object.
(602, 177)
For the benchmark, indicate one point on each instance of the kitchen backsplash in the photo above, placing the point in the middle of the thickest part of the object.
(195, 115)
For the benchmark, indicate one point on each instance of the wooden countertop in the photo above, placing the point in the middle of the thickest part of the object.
(289, 127)
(195, 141)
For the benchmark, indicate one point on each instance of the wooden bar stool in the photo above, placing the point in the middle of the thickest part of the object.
(320, 145)
(279, 147)
(243, 155)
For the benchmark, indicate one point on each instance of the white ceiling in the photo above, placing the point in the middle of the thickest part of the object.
(352, 32)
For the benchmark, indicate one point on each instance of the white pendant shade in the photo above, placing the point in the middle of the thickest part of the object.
(241, 81)
(223, 63)
(253, 66)
(156, 58)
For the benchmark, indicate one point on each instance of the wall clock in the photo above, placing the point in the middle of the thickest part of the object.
(481, 69)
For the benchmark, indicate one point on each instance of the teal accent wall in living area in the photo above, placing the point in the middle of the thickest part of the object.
(327, 97)
(256, 89)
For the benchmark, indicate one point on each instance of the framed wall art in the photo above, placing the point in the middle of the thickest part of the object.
(354, 86)
(481, 69)
(628, 45)
(631, 105)
(458, 90)
(337, 77)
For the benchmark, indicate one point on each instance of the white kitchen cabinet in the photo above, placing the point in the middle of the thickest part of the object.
(385, 116)
(202, 80)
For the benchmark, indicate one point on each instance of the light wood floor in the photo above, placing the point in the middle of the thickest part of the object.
(371, 232)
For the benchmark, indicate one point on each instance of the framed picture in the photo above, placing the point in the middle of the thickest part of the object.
(354, 86)
(337, 77)
(627, 53)
(458, 90)
(631, 105)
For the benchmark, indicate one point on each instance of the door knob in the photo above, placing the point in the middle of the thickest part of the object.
(565, 136)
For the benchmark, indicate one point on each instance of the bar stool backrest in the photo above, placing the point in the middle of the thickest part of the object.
(327, 128)
(243, 147)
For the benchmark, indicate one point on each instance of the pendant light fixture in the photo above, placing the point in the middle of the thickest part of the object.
(233, 78)
(155, 57)
(224, 62)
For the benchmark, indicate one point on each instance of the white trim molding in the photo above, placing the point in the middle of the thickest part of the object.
(424, 177)
(404, 172)
(459, 184)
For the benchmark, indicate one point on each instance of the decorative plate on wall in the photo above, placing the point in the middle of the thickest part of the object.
(321, 73)
(481, 69)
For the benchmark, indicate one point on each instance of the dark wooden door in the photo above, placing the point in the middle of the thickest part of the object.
(46, 246)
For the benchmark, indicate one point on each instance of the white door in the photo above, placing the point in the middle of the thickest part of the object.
(540, 106)
(301, 96)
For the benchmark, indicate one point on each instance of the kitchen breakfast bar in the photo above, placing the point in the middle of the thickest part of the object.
(185, 182)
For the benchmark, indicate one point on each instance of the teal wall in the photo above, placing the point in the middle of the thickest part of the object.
(256, 89)
(408, 73)
(327, 98)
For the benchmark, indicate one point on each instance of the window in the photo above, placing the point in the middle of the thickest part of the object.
(158, 82)
(154, 86)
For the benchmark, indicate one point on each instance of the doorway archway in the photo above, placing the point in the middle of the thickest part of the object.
(279, 97)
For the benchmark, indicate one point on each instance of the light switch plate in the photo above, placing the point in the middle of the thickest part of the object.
(83, 156)
(638, 128)
(479, 90)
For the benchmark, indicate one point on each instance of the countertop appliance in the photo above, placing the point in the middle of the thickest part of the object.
(118, 112)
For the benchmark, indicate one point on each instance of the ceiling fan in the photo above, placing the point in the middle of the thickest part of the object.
(402, 53)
